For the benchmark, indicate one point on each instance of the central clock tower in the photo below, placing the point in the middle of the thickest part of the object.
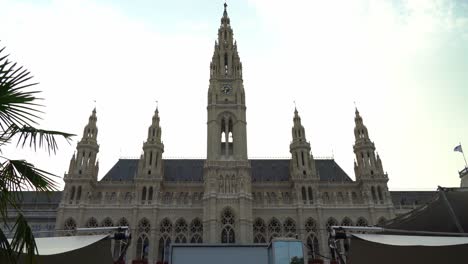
(227, 173)
(227, 137)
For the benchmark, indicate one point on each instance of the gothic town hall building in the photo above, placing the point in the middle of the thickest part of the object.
(227, 197)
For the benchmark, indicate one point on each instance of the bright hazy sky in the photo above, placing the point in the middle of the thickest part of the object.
(404, 63)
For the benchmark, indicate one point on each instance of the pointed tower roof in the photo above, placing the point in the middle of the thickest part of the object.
(360, 130)
(154, 130)
(225, 19)
(297, 118)
(91, 130)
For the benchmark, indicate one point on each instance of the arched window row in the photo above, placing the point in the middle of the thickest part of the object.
(99, 197)
(263, 232)
(179, 232)
(377, 194)
(272, 198)
(147, 195)
(106, 222)
(227, 183)
(341, 197)
(181, 198)
(361, 221)
(75, 194)
(307, 195)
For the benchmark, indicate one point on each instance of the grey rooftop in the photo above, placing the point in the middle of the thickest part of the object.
(263, 170)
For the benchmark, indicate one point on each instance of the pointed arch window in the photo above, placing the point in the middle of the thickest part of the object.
(379, 192)
(331, 222)
(143, 195)
(311, 225)
(107, 222)
(228, 235)
(72, 195)
(381, 221)
(297, 160)
(311, 197)
(144, 226)
(289, 228)
(312, 244)
(142, 247)
(228, 221)
(165, 229)
(181, 230)
(70, 226)
(304, 195)
(150, 193)
(196, 231)
(374, 196)
(346, 222)
(274, 229)
(92, 222)
(361, 222)
(163, 250)
(78, 193)
(225, 63)
(259, 231)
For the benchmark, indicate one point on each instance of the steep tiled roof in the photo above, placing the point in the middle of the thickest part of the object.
(411, 197)
(33, 197)
(263, 170)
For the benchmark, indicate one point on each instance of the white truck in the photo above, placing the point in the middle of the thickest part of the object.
(279, 251)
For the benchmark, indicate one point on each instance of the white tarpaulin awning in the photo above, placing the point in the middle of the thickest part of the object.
(57, 245)
(397, 240)
(74, 249)
(391, 249)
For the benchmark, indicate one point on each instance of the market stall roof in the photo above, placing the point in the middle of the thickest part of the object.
(383, 249)
(446, 211)
(74, 249)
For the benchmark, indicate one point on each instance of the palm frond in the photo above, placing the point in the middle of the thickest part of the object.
(34, 137)
(17, 176)
(31, 177)
(23, 240)
(6, 252)
(17, 106)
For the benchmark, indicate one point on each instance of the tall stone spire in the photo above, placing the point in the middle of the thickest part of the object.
(91, 130)
(368, 163)
(227, 171)
(303, 164)
(225, 62)
(84, 163)
(226, 99)
(150, 164)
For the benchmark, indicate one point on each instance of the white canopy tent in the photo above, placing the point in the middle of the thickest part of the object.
(74, 249)
(383, 249)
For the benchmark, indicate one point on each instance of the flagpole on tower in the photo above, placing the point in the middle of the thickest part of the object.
(460, 149)
(466, 165)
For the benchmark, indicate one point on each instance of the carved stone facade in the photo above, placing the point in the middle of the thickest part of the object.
(227, 198)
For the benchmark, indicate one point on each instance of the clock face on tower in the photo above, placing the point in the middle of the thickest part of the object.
(226, 89)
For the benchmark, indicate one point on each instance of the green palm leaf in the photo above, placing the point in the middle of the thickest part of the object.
(34, 137)
(18, 114)
(23, 240)
(5, 249)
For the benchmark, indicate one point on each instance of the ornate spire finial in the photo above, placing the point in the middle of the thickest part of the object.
(225, 18)
(355, 108)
